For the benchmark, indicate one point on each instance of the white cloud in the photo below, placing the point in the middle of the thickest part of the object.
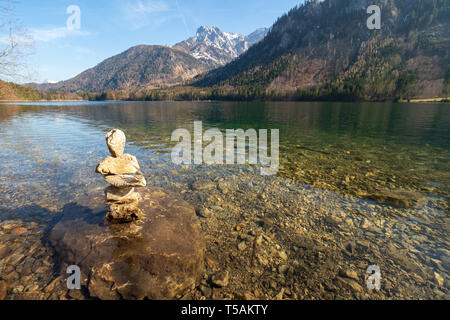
(142, 13)
(149, 6)
(46, 35)
(43, 35)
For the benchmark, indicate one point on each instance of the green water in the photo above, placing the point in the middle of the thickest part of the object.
(336, 151)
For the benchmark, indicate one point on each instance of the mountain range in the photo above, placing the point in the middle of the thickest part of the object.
(150, 67)
(143, 65)
(320, 50)
(324, 50)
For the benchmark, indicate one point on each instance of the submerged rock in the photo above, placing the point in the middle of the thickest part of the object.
(221, 279)
(204, 212)
(398, 198)
(156, 257)
(348, 273)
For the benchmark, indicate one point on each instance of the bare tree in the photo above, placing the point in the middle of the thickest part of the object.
(15, 44)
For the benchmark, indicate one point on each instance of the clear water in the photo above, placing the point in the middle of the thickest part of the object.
(338, 151)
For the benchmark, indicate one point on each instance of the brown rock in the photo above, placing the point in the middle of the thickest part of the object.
(204, 212)
(348, 273)
(75, 294)
(352, 284)
(3, 290)
(398, 198)
(242, 246)
(115, 140)
(248, 296)
(283, 269)
(156, 257)
(18, 231)
(126, 181)
(211, 263)
(55, 283)
(221, 278)
(439, 280)
(124, 164)
(123, 213)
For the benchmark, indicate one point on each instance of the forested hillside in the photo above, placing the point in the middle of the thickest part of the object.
(325, 50)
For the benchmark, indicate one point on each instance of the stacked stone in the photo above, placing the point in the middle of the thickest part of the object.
(121, 171)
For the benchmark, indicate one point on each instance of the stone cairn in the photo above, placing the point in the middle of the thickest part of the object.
(121, 171)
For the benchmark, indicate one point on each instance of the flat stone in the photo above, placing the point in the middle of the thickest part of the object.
(282, 255)
(206, 291)
(348, 273)
(242, 246)
(333, 220)
(398, 198)
(76, 295)
(439, 280)
(116, 140)
(18, 231)
(126, 181)
(125, 164)
(115, 195)
(283, 269)
(221, 278)
(204, 212)
(123, 213)
(352, 284)
(156, 257)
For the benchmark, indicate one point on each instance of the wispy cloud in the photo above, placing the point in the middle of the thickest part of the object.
(183, 19)
(142, 13)
(43, 35)
(46, 35)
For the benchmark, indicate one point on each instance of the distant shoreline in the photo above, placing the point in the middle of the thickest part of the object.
(425, 100)
(13, 101)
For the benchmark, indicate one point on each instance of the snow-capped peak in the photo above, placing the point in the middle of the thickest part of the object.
(215, 47)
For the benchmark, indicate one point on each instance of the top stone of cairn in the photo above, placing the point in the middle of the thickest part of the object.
(116, 140)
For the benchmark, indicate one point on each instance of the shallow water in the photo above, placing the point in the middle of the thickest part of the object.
(317, 209)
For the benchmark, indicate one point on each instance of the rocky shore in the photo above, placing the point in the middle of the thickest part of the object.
(267, 238)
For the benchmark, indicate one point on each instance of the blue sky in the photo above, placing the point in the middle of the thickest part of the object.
(109, 27)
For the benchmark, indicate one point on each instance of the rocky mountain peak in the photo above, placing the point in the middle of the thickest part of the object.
(216, 47)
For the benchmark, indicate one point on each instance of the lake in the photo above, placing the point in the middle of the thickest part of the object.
(359, 184)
